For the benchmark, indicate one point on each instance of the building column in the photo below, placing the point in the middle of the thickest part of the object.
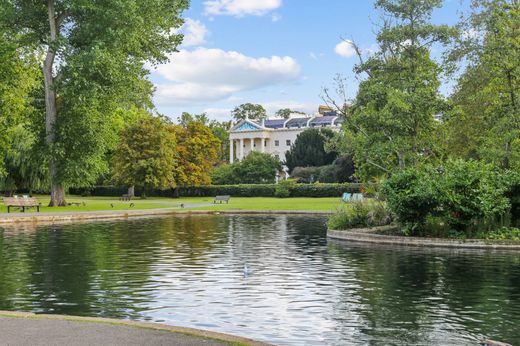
(262, 145)
(241, 151)
(231, 154)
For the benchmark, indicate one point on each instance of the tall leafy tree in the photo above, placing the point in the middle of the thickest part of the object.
(93, 65)
(285, 113)
(249, 111)
(18, 80)
(308, 150)
(146, 155)
(487, 96)
(391, 123)
(196, 154)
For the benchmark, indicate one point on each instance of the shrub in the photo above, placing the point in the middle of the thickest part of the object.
(242, 190)
(411, 196)
(255, 168)
(306, 174)
(224, 175)
(284, 187)
(360, 214)
(471, 191)
(463, 194)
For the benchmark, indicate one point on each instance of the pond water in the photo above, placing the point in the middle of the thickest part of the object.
(298, 287)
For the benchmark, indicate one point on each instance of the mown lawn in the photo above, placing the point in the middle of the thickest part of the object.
(238, 203)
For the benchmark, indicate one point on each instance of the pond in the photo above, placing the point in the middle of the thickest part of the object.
(276, 279)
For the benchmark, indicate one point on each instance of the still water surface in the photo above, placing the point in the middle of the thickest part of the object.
(299, 289)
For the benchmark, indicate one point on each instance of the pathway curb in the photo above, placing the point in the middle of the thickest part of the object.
(368, 235)
(136, 324)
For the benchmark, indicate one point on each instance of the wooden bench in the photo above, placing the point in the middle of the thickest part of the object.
(21, 203)
(125, 197)
(221, 199)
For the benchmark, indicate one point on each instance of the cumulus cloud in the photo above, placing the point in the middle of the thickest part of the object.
(205, 75)
(194, 32)
(345, 49)
(240, 8)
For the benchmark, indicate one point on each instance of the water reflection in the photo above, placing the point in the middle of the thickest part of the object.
(301, 290)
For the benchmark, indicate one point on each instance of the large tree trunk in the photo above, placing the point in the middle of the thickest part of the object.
(131, 191)
(57, 190)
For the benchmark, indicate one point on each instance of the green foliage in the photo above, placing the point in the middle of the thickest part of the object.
(284, 187)
(285, 113)
(391, 123)
(464, 194)
(255, 168)
(309, 149)
(145, 155)
(196, 153)
(306, 174)
(251, 190)
(487, 97)
(249, 111)
(412, 197)
(360, 215)
(94, 64)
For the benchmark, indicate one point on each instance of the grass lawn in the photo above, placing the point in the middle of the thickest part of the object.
(238, 203)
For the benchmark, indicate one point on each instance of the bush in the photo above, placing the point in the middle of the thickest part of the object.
(255, 168)
(224, 175)
(284, 187)
(463, 194)
(360, 215)
(245, 190)
(306, 174)
(412, 197)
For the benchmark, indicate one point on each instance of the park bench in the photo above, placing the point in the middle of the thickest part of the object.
(21, 203)
(221, 199)
(125, 197)
(352, 197)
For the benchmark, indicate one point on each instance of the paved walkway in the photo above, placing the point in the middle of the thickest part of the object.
(40, 330)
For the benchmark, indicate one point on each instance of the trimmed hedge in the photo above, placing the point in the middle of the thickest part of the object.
(249, 190)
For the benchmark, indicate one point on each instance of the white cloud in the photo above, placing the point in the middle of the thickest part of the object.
(240, 8)
(194, 32)
(221, 114)
(205, 75)
(345, 49)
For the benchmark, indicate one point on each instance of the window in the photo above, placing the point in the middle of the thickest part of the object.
(288, 142)
(277, 157)
(276, 143)
(265, 142)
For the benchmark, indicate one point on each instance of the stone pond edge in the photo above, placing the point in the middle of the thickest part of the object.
(125, 214)
(206, 334)
(369, 235)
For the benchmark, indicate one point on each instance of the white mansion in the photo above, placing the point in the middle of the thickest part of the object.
(275, 136)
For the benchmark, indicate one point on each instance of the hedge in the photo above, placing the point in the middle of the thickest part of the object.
(249, 190)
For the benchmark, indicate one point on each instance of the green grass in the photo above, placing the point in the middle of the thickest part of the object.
(238, 203)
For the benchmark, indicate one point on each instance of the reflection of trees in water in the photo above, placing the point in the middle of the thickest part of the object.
(412, 294)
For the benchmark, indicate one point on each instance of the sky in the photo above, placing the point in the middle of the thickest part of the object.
(277, 53)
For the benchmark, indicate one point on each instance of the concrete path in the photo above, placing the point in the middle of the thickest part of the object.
(54, 330)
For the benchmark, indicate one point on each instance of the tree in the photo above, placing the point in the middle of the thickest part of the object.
(486, 124)
(286, 113)
(309, 149)
(18, 79)
(146, 155)
(219, 129)
(197, 153)
(93, 65)
(249, 111)
(391, 123)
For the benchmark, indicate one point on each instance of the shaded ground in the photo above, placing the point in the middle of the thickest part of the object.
(21, 331)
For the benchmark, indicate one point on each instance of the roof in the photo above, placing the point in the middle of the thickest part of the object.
(322, 121)
(274, 123)
(297, 122)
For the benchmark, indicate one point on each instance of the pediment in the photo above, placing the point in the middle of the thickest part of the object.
(246, 126)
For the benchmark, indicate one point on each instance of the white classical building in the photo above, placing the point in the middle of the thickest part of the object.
(275, 136)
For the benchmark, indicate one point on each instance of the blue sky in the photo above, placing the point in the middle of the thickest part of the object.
(279, 53)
